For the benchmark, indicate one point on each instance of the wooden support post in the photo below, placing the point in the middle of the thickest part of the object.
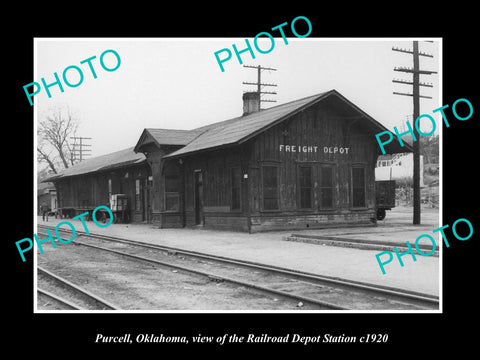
(416, 144)
(416, 72)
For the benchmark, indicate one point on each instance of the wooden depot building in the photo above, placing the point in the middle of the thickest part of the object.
(92, 182)
(308, 163)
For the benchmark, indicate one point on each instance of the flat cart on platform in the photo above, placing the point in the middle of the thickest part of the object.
(118, 208)
(69, 212)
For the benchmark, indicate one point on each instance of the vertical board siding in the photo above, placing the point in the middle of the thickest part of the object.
(321, 126)
(215, 167)
(91, 190)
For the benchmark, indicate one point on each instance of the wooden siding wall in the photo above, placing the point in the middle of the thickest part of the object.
(215, 167)
(154, 160)
(91, 190)
(171, 218)
(158, 167)
(323, 127)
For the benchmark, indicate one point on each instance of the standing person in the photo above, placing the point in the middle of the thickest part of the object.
(44, 210)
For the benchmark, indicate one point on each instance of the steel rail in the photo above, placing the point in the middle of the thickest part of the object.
(391, 293)
(220, 277)
(79, 290)
(59, 299)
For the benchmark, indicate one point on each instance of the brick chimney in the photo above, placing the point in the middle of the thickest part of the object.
(251, 102)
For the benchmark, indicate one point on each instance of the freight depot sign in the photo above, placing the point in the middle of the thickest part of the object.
(313, 149)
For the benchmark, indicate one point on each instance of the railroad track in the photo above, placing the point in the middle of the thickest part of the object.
(49, 299)
(325, 292)
(66, 295)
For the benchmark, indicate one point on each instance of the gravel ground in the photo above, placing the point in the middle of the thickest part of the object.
(421, 276)
(135, 285)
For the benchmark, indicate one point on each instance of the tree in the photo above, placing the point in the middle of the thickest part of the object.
(54, 130)
(430, 149)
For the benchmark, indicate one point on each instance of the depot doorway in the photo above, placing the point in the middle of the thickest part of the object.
(198, 197)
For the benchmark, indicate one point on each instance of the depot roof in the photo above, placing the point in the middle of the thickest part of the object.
(110, 161)
(240, 129)
(229, 132)
(161, 137)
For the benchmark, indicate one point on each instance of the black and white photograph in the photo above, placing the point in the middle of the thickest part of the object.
(181, 182)
(217, 181)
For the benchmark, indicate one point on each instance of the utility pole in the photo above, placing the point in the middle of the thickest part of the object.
(81, 151)
(259, 83)
(416, 113)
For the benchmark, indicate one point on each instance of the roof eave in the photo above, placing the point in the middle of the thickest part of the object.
(51, 178)
(397, 147)
(142, 141)
(194, 152)
(106, 168)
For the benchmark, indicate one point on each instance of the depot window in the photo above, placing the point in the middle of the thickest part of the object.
(305, 186)
(270, 187)
(137, 194)
(235, 182)
(109, 189)
(172, 196)
(358, 186)
(326, 187)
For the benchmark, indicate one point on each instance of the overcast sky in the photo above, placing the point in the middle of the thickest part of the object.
(177, 83)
